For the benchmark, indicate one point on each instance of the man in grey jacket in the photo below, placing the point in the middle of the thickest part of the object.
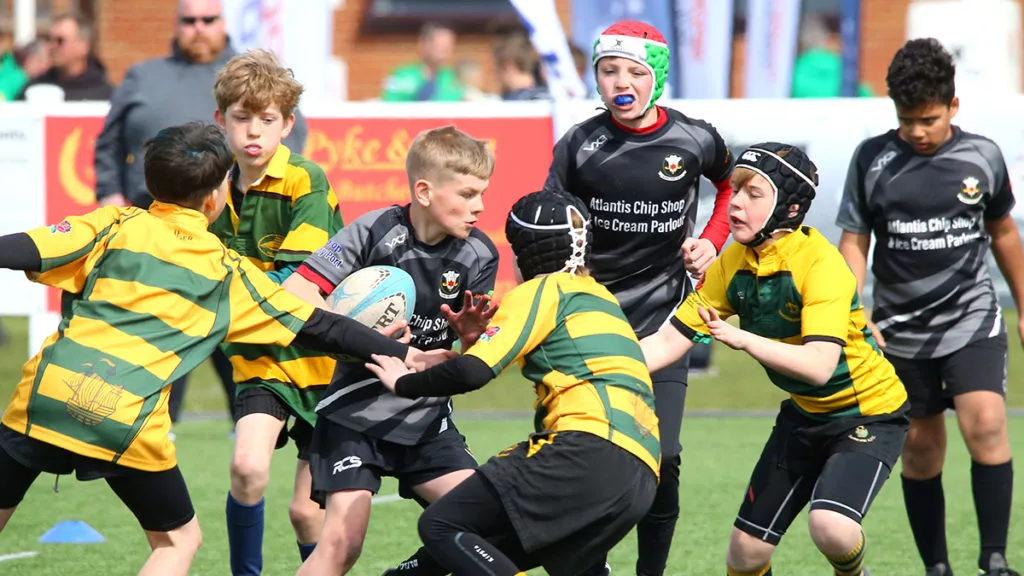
(166, 92)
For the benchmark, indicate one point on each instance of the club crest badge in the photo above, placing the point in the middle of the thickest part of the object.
(451, 280)
(861, 434)
(970, 191)
(672, 168)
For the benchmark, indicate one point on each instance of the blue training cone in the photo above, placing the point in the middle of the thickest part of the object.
(71, 532)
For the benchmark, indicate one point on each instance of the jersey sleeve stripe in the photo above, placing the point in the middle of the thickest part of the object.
(50, 263)
(287, 319)
(524, 336)
(690, 333)
(831, 339)
(309, 273)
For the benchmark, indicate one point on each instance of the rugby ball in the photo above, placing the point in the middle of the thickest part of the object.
(375, 296)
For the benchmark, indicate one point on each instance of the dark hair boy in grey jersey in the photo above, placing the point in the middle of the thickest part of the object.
(936, 198)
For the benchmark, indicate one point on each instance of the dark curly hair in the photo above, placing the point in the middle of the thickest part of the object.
(921, 72)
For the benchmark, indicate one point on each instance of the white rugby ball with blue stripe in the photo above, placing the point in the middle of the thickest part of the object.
(375, 296)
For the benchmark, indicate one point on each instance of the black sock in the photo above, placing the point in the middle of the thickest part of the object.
(993, 493)
(420, 564)
(926, 510)
(655, 530)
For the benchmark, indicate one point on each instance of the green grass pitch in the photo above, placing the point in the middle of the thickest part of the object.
(718, 455)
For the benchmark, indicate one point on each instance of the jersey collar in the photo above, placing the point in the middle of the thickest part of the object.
(781, 250)
(661, 121)
(278, 166)
(953, 139)
(184, 217)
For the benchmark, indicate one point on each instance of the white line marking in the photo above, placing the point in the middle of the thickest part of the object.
(386, 499)
(18, 555)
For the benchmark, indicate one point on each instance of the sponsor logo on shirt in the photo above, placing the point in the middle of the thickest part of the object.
(396, 241)
(595, 143)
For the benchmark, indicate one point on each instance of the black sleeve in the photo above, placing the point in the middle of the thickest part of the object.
(456, 376)
(721, 161)
(337, 334)
(19, 252)
(562, 165)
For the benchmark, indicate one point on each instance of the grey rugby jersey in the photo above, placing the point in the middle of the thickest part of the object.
(933, 293)
(384, 237)
(642, 191)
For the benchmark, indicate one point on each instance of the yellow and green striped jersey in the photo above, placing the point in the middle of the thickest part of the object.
(800, 290)
(289, 214)
(573, 341)
(147, 296)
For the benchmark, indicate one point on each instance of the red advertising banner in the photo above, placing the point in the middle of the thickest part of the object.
(364, 158)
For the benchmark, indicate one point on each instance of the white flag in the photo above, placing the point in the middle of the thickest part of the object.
(302, 39)
(541, 20)
(772, 29)
(704, 48)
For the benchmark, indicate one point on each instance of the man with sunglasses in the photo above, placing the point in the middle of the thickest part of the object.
(164, 92)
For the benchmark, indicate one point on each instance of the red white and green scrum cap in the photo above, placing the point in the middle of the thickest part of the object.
(641, 43)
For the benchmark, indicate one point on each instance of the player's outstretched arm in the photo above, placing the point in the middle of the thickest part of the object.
(664, 347)
(337, 334)
(19, 252)
(811, 362)
(456, 376)
(298, 285)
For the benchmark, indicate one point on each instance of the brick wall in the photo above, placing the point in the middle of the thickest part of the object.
(133, 30)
